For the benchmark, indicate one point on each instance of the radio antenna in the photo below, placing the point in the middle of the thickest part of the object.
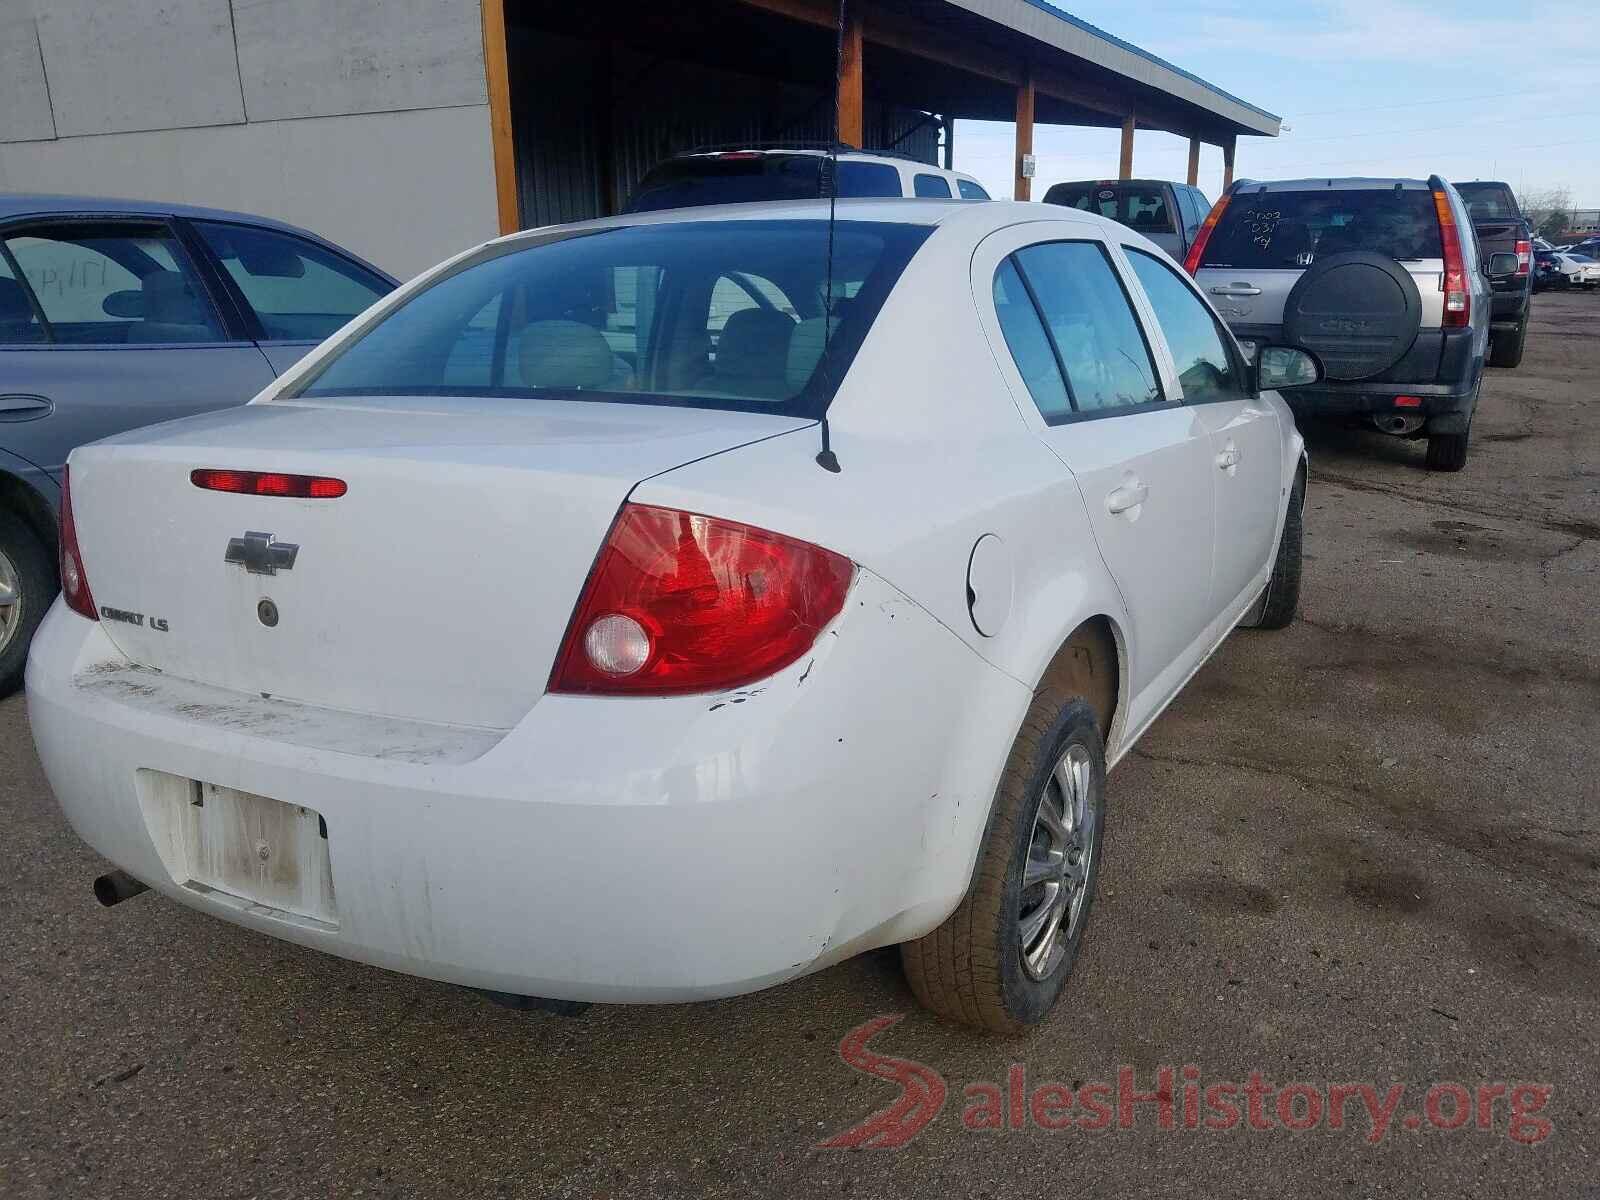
(826, 458)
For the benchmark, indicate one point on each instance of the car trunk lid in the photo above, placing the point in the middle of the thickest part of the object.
(437, 588)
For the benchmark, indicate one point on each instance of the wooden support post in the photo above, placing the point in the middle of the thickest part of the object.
(497, 73)
(949, 143)
(1194, 161)
(1125, 165)
(1227, 163)
(852, 110)
(1022, 187)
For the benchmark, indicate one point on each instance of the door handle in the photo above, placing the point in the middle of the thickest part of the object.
(1128, 496)
(1235, 289)
(16, 406)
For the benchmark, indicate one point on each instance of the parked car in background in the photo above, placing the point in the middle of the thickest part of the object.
(1585, 271)
(649, 632)
(1502, 229)
(1169, 214)
(1380, 278)
(120, 313)
(1589, 247)
(739, 174)
(1552, 270)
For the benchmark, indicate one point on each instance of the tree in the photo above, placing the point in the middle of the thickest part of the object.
(1549, 210)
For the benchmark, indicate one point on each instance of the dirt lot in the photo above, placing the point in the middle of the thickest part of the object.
(1366, 849)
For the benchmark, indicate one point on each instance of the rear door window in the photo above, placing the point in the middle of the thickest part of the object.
(114, 284)
(868, 179)
(1206, 371)
(1292, 229)
(1095, 343)
(298, 290)
(932, 187)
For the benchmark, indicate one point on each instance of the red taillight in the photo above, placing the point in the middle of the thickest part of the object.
(74, 579)
(1408, 401)
(1457, 298)
(269, 483)
(679, 602)
(1191, 262)
(1524, 257)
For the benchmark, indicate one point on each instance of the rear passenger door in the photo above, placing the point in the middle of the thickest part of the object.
(1141, 460)
(123, 333)
(1246, 442)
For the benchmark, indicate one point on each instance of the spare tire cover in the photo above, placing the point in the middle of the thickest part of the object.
(1358, 312)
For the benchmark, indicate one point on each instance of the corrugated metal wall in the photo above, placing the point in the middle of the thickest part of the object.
(571, 99)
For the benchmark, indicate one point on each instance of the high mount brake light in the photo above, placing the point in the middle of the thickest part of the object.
(678, 602)
(1191, 261)
(269, 483)
(1457, 296)
(74, 579)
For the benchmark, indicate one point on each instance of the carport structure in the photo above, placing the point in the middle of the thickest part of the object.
(585, 98)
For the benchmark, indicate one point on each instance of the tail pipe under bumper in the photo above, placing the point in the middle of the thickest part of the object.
(116, 886)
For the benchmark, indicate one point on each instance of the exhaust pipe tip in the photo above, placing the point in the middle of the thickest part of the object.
(116, 886)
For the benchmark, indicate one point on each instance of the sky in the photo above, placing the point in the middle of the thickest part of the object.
(1465, 88)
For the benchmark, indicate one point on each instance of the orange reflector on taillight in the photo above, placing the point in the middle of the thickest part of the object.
(269, 483)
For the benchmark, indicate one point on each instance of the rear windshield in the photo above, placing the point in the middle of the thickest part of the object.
(709, 314)
(1139, 206)
(1294, 229)
(737, 178)
(1489, 201)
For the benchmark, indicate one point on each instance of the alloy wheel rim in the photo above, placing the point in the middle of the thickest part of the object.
(10, 601)
(1060, 856)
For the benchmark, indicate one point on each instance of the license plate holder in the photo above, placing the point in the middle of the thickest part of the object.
(254, 852)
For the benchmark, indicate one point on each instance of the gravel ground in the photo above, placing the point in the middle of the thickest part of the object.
(1365, 849)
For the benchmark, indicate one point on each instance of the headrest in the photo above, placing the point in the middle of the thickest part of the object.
(14, 304)
(565, 354)
(168, 300)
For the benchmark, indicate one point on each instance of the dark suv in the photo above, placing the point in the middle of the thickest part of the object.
(1380, 278)
(1502, 229)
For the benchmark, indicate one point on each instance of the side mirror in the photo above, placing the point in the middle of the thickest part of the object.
(1279, 367)
(1501, 264)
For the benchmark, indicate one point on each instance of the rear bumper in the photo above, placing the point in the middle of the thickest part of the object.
(605, 850)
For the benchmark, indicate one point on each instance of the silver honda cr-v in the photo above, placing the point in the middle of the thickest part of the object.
(1380, 278)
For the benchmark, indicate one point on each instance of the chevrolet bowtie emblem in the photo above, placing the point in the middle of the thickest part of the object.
(260, 555)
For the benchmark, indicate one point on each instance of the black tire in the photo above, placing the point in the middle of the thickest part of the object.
(970, 969)
(36, 588)
(1506, 351)
(1448, 451)
(1280, 603)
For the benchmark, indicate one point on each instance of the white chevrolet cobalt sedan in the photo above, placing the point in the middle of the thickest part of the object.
(665, 607)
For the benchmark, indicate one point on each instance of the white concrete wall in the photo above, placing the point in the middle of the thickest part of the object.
(364, 120)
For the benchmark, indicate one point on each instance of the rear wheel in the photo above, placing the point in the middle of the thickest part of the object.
(1505, 350)
(1000, 961)
(27, 585)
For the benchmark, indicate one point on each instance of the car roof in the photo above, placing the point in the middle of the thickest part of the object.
(981, 217)
(30, 204)
(1114, 183)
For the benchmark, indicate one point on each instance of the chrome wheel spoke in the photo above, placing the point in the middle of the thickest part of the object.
(8, 594)
(1039, 929)
(1052, 821)
(1048, 869)
(1067, 780)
